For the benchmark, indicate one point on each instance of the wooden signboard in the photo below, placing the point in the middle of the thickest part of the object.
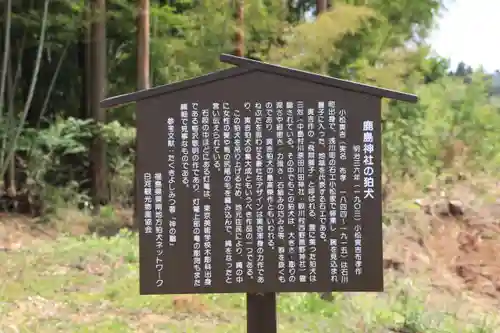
(259, 179)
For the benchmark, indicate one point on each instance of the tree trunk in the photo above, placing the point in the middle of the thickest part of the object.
(143, 45)
(100, 192)
(84, 62)
(239, 46)
(85, 67)
(10, 175)
(4, 95)
(142, 71)
(321, 6)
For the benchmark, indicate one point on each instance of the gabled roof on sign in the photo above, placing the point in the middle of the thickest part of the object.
(245, 66)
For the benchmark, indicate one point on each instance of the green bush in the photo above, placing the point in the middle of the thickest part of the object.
(451, 114)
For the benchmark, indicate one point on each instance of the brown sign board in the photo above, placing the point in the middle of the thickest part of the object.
(259, 179)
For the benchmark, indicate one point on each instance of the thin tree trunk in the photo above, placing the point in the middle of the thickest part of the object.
(10, 175)
(3, 82)
(85, 66)
(100, 193)
(10, 184)
(239, 47)
(321, 6)
(143, 81)
(84, 63)
(143, 45)
(88, 59)
(12, 147)
(6, 53)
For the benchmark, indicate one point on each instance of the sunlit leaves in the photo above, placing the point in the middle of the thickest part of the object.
(311, 45)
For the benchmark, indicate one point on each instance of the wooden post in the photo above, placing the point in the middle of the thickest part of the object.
(261, 313)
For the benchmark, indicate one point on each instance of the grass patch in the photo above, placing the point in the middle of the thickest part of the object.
(90, 284)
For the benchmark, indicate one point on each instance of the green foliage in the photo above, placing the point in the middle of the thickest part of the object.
(377, 42)
(43, 153)
(312, 44)
(45, 156)
(416, 138)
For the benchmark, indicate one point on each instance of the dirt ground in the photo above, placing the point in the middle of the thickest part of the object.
(456, 250)
(17, 231)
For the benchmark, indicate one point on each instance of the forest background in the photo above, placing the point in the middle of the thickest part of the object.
(60, 58)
